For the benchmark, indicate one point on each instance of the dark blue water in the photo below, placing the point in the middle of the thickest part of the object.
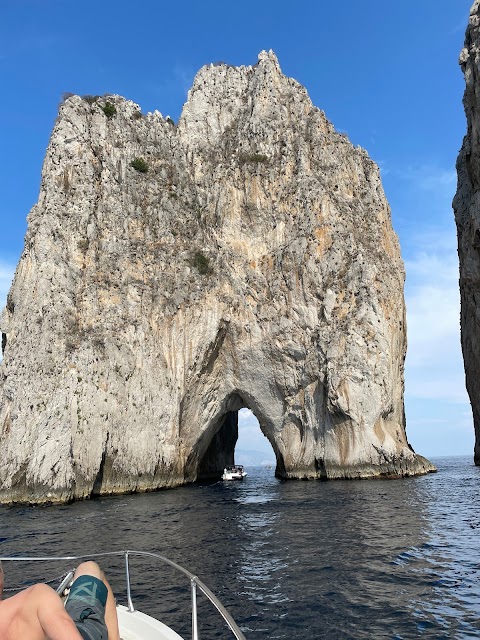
(364, 559)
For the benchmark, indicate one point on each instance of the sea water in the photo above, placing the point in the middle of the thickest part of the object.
(342, 559)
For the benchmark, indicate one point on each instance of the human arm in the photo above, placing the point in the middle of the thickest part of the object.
(54, 620)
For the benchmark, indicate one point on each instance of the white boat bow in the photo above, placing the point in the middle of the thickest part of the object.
(133, 624)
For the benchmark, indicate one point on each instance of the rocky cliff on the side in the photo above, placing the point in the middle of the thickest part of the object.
(174, 273)
(467, 216)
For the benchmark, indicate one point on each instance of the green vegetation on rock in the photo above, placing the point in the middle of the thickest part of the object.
(201, 263)
(252, 158)
(139, 165)
(109, 109)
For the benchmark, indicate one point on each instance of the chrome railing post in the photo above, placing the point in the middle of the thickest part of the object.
(127, 574)
(193, 585)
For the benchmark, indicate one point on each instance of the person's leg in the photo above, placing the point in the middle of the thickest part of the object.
(92, 569)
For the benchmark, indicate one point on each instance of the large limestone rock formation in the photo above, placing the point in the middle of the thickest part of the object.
(252, 265)
(467, 216)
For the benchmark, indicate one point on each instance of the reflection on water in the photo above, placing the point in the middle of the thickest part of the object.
(261, 566)
(366, 559)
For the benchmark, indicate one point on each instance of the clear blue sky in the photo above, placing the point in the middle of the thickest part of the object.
(384, 72)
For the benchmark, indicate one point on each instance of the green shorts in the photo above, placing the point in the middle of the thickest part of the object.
(86, 606)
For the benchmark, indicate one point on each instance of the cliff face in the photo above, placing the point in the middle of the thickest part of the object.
(467, 216)
(253, 264)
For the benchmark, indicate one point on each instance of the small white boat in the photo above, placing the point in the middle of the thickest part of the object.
(234, 472)
(133, 624)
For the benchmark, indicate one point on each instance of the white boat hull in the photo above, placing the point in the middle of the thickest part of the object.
(233, 476)
(234, 472)
(135, 625)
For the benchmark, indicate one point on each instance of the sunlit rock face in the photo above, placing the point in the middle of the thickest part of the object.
(249, 261)
(467, 216)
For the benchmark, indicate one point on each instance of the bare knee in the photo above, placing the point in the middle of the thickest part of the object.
(89, 568)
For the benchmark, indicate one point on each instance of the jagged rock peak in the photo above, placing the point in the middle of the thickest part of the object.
(466, 205)
(173, 274)
(221, 94)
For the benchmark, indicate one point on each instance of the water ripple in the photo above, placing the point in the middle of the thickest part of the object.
(335, 560)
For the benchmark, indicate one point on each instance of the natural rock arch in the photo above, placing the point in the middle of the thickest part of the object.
(215, 446)
(253, 262)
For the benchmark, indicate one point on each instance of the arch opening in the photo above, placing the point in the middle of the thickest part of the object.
(253, 448)
(215, 448)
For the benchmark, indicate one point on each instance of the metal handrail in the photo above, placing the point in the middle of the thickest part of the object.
(194, 583)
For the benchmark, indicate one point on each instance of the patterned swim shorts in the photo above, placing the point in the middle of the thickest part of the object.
(86, 606)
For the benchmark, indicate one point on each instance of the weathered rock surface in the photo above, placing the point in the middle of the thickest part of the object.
(467, 216)
(253, 264)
